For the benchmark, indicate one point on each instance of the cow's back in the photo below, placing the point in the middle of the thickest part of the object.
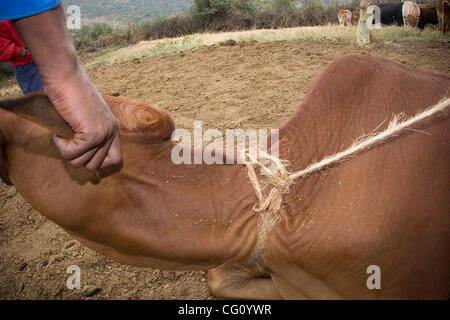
(428, 15)
(391, 13)
(410, 8)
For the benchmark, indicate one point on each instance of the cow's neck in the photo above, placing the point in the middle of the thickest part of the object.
(202, 213)
(151, 213)
(308, 136)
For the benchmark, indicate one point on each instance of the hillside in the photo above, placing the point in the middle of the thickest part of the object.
(135, 10)
(128, 10)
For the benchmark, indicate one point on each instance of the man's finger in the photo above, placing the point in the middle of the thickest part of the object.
(84, 159)
(97, 160)
(114, 155)
(71, 149)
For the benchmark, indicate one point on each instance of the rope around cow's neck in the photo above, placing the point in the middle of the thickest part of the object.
(275, 174)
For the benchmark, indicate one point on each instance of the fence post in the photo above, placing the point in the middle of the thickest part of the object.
(362, 31)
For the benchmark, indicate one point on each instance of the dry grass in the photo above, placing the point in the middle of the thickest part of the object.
(329, 32)
(11, 90)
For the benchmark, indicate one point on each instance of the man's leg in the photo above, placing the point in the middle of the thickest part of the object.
(20, 77)
(28, 78)
(36, 84)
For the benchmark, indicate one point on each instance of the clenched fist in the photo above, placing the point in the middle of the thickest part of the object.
(95, 143)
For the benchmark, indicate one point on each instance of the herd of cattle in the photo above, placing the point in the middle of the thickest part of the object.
(407, 13)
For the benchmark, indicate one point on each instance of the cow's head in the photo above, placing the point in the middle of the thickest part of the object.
(411, 21)
(138, 122)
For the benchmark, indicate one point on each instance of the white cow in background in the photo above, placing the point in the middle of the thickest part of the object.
(411, 14)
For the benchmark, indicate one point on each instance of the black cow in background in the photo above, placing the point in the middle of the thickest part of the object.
(391, 13)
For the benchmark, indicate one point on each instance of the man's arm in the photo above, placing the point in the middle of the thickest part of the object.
(95, 143)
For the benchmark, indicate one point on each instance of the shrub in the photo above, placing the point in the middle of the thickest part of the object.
(211, 9)
(95, 30)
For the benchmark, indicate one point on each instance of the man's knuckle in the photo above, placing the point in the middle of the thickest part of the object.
(96, 136)
(116, 159)
(115, 124)
(65, 153)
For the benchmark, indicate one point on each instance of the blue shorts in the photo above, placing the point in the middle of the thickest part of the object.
(28, 78)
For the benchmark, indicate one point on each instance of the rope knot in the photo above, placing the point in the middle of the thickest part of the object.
(275, 175)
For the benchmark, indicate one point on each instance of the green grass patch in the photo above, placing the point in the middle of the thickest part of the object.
(401, 33)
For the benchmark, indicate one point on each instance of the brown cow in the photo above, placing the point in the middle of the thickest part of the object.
(345, 17)
(443, 13)
(355, 17)
(389, 207)
(428, 15)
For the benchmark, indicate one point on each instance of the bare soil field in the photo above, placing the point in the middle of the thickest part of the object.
(253, 85)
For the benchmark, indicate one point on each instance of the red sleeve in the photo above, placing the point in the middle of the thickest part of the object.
(8, 50)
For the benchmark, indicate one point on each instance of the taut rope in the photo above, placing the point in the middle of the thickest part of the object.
(275, 174)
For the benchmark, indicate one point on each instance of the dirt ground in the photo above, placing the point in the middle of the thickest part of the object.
(255, 85)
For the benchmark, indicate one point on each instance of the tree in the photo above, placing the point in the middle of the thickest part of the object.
(211, 9)
(362, 31)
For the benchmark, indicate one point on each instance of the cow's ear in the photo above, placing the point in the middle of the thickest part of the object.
(37, 107)
(139, 121)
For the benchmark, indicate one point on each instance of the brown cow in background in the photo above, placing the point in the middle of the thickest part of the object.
(428, 15)
(345, 17)
(443, 13)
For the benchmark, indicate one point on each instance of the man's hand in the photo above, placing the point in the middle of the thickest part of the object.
(23, 52)
(95, 144)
